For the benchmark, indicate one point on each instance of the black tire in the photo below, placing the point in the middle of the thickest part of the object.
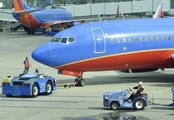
(35, 90)
(81, 82)
(48, 88)
(9, 95)
(114, 106)
(139, 104)
(77, 82)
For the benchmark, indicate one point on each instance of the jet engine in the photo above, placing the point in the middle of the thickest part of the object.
(138, 70)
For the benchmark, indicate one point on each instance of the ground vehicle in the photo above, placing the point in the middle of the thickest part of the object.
(119, 99)
(28, 85)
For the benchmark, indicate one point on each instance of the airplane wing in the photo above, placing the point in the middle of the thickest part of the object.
(22, 12)
(58, 22)
(9, 20)
(6, 19)
(1, 11)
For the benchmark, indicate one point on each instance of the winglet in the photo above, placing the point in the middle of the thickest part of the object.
(117, 12)
(159, 12)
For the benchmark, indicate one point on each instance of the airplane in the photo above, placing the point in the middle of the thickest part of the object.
(132, 45)
(33, 19)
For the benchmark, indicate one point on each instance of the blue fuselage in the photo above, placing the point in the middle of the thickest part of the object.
(48, 15)
(111, 45)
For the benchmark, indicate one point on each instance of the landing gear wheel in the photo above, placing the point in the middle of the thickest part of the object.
(139, 104)
(35, 90)
(48, 88)
(80, 82)
(114, 106)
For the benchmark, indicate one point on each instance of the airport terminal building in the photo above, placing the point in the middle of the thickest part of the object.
(101, 7)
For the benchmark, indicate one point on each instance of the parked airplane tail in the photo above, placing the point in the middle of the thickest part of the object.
(159, 12)
(19, 5)
(117, 12)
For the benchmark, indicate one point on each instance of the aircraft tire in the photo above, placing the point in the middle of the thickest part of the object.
(77, 82)
(81, 82)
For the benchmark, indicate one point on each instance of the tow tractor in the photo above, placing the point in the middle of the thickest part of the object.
(28, 85)
(120, 99)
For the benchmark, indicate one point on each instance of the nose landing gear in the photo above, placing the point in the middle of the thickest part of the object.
(80, 82)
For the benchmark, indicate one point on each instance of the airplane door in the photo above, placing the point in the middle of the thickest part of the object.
(99, 40)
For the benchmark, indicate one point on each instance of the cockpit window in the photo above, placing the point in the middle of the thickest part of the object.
(65, 40)
(54, 39)
(71, 39)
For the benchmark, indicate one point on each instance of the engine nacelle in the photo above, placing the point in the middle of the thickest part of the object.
(139, 70)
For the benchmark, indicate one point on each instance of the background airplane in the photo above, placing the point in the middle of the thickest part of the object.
(137, 45)
(34, 18)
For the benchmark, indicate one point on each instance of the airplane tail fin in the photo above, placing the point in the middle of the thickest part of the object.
(117, 12)
(20, 5)
(159, 12)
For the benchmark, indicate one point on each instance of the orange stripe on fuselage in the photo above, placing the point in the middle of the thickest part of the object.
(133, 60)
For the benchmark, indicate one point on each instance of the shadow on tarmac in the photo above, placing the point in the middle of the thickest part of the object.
(109, 116)
(164, 80)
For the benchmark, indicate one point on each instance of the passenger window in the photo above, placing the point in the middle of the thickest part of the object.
(71, 39)
(147, 39)
(141, 39)
(63, 40)
(112, 40)
(118, 40)
(135, 38)
(124, 39)
(152, 38)
(130, 39)
(163, 38)
(169, 38)
(157, 38)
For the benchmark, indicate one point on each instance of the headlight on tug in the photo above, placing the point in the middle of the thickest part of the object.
(106, 97)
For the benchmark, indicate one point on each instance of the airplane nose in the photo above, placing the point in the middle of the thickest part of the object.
(42, 54)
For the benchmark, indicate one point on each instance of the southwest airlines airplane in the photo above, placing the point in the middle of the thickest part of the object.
(136, 45)
(32, 19)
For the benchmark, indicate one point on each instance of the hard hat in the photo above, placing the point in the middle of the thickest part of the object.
(140, 83)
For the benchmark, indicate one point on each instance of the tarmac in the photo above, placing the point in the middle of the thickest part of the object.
(78, 103)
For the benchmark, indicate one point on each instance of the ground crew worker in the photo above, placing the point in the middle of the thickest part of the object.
(140, 91)
(27, 65)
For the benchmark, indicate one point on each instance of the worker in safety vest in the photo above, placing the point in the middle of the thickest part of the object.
(140, 91)
(27, 65)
